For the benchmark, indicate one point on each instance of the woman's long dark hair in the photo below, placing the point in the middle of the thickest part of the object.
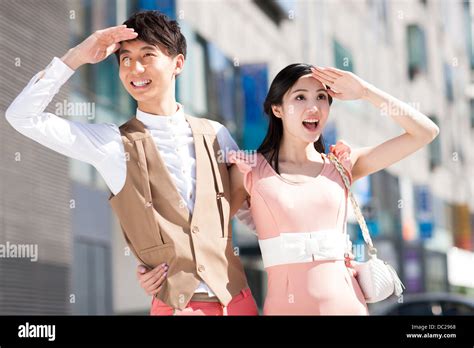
(284, 80)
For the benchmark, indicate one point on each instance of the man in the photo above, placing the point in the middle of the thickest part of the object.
(169, 189)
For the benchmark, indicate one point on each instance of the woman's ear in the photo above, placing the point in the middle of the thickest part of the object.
(276, 109)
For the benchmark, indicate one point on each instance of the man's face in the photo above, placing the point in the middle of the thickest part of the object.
(146, 71)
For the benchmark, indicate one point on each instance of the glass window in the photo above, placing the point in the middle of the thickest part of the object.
(416, 46)
(191, 83)
(435, 148)
(276, 11)
(343, 57)
(255, 85)
(468, 31)
(380, 25)
(224, 90)
(168, 7)
(448, 82)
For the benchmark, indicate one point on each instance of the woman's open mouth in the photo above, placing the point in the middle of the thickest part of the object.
(311, 124)
(140, 84)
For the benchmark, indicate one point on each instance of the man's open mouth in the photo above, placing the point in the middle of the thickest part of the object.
(311, 124)
(140, 83)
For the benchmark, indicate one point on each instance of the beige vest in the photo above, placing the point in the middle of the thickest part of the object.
(158, 226)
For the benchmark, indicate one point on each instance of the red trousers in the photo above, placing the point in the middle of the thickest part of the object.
(241, 304)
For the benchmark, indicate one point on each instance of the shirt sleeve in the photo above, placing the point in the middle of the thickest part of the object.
(226, 142)
(86, 142)
(228, 145)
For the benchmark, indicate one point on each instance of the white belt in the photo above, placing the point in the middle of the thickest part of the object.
(303, 247)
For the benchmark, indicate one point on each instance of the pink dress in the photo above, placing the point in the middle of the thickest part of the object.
(318, 207)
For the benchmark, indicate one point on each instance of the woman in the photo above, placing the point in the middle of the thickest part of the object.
(297, 197)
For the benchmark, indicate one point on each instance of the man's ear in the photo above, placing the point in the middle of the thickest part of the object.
(179, 64)
(276, 109)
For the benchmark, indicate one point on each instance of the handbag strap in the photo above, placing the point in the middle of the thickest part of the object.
(357, 211)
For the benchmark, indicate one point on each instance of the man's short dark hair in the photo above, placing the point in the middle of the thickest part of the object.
(157, 29)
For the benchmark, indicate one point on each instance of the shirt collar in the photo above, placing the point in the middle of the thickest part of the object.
(161, 121)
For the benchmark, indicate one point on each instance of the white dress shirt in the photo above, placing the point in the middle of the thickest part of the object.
(101, 144)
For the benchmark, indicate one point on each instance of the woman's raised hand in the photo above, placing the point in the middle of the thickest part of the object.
(343, 85)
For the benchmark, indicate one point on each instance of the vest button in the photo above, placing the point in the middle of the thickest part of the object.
(201, 268)
(148, 204)
(195, 229)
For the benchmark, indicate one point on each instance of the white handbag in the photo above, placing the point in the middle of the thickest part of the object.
(377, 279)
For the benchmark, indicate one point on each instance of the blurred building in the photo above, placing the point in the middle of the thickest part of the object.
(35, 188)
(420, 210)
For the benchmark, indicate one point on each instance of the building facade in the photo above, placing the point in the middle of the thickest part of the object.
(419, 211)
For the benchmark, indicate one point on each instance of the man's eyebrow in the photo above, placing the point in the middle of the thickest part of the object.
(122, 51)
(305, 90)
(147, 48)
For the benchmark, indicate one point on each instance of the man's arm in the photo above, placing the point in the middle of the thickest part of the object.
(77, 140)
(91, 143)
(227, 143)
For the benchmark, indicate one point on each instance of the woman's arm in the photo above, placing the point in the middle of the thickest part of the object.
(238, 193)
(419, 129)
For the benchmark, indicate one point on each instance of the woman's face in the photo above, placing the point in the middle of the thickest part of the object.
(305, 109)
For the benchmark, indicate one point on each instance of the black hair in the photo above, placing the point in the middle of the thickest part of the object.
(157, 29)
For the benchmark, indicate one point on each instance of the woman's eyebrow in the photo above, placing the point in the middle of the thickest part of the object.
(305, 90)
(299, 90)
